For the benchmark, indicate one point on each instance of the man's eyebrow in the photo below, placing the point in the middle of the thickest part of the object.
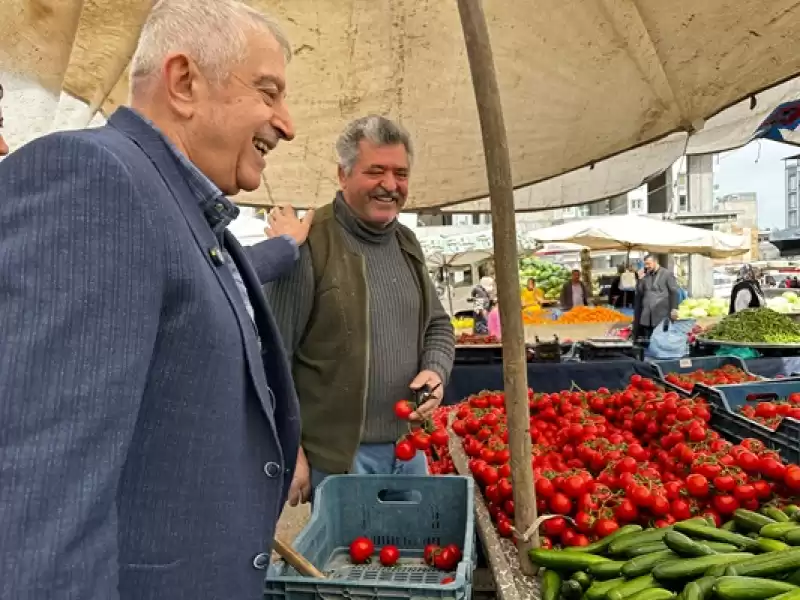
(265, 80)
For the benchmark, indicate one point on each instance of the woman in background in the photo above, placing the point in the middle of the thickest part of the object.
(482, 295)
(747, 292)
(532, 296)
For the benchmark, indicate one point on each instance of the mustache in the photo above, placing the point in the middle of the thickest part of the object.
(382, 192)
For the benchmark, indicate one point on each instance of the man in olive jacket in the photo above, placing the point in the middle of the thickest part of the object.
(360, 317)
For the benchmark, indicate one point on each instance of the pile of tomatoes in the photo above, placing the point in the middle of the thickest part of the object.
(770, 414)
(417, 438)
(602, 459)
(726, 375)
(444, 558)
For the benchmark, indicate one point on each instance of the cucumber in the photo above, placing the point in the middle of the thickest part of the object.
(749, 520)
(749, 588)
(768, 565)
(606, 570)
(695, 567)
(551, 585)
(716, 571)
(600, 546)
(792, 537)
(729, 526)
(583, 578)
(715, 535)
(721, 547)
(599, 589)
(570, 589)
(631, 587)
(565, 562)
(647, 548)
(794, 577)
(623, 543)
(791, 510)
(768, 545)
(776, 531)
(641, 565)
(699, 589)
(793, 595)
(776, 514)
(683, 545)
(653, 594)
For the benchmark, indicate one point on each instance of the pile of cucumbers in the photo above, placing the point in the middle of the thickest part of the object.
(755, 556)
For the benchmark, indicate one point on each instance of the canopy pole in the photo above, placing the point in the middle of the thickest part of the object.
(504, 233)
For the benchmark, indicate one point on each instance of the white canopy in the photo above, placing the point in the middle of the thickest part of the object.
(581, 81)
(644, 233)
(458, 259)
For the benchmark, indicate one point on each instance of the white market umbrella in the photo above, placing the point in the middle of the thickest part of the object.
(633, 232)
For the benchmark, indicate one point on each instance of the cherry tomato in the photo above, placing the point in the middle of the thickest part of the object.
(429, 552)
(404, 450)
(361, 550)
(389, 555)
(604, 527)
(697, 485)
(439, 437)
(403, 410)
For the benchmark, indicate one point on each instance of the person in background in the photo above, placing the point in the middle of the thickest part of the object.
(493, 321)
(617, 296)
(574, 292)
(149, 422)
(360, 317)
(3, 144)
(747, 292)
(482, 300)
(656, 298)
(532, 296)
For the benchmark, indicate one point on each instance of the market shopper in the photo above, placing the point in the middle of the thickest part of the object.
(360, 316)
(656, 298)
(574, 292)
(148, 421)
(531, 296)
(482, 302)
(747, 292)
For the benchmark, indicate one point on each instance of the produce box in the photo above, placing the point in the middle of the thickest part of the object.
(683, 366)
(726, 402)
(439, 510)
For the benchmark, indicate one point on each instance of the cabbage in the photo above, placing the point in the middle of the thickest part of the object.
(790, 296)
(688, 304)
(698, 313)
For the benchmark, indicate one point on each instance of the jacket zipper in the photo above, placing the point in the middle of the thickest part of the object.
(366, 362)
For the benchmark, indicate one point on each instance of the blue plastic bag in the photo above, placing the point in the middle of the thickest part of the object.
(670, 339)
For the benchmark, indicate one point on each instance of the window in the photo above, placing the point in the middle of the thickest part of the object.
(583, 211)
(792, 199)
(792, 218)
(792, 182)
(636, 204)
(683, 202)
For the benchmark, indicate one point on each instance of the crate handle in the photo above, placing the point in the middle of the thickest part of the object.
(399, 496)
(758, 396)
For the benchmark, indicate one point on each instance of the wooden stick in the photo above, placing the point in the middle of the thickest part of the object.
(297, 560)
(504, 232)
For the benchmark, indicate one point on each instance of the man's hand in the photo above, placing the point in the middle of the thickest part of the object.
(283, 221)
(673, 315)
(300, 490)
(433, 381)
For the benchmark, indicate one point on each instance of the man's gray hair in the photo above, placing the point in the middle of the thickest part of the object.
(212, 32)
(376, 130)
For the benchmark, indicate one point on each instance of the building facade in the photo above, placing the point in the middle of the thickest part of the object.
(792, 172)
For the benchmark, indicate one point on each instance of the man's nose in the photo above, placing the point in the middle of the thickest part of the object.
(389, 182)
(3, 146)
(282, 121)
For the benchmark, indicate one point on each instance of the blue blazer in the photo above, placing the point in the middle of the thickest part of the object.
(147, 440)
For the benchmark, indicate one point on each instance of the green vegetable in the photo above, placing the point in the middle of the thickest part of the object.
(551, 585)
(717, 535)
(606, 570)
(777, 530)
(792, 537)
(600, 546)
(775, 513)
(749, 588)
(768, 545)
(599, 589)
(767, 565)
(631, 587)
(699, 589)
(622, 544)
(792, 510)
(583, 578)
(685, 546)
(793, 595)
(694, 567)
(641, 565)
(568, 562)
(653, 594)
(756, 325)
(646, 548)
(570, 589)
(722, 547)
(750, 520)
(730, 526)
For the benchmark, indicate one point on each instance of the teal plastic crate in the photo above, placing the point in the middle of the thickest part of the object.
(437, 510)
(662, 368)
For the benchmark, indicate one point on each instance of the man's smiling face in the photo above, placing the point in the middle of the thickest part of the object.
(3, 145)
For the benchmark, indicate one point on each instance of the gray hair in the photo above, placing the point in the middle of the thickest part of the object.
(376, 130)
(212, 32)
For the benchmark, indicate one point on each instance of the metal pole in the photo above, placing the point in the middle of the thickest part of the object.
(504, 232)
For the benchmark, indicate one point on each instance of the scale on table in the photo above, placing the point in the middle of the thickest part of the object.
(545, 351)
(609, 348)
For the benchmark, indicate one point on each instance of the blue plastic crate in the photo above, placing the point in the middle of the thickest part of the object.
(663, 368)
(725, 400)
(438, 510)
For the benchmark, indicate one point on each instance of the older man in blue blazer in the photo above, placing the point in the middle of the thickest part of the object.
(148, 421)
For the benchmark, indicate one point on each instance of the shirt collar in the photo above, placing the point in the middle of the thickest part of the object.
(217, 209)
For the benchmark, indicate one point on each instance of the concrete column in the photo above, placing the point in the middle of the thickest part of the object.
(700, 195)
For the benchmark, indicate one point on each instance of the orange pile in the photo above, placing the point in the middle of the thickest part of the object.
(538, 317)
(591, 314)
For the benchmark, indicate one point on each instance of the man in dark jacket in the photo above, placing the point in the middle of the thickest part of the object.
(574, 293)
(656, 298)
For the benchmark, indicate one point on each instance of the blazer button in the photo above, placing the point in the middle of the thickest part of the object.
(261, 561)
(272, 469)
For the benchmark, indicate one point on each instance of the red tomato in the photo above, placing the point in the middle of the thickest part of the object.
(447, 580)
(403, 410)
(445, 560)
(504, 528)
(389, 556)
(681, 509)
(725, 504)
(697, 486)
(724, 483)
(439, 437)
(560, 504)
(361, 550)
(659, 506)
(574, 486)
(604, 527)
(763, 489)
(744, 492)
(429, 553)
(791, 478)
(404, 450)
(420, 440)
(544, 488)
(554, 527)
(626, 511)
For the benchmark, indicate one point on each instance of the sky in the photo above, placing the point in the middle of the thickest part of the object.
(757, 167)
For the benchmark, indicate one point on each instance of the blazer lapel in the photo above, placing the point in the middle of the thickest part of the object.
(162, 157)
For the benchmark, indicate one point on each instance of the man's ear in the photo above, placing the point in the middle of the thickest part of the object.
(181, 78)
(342, 177)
